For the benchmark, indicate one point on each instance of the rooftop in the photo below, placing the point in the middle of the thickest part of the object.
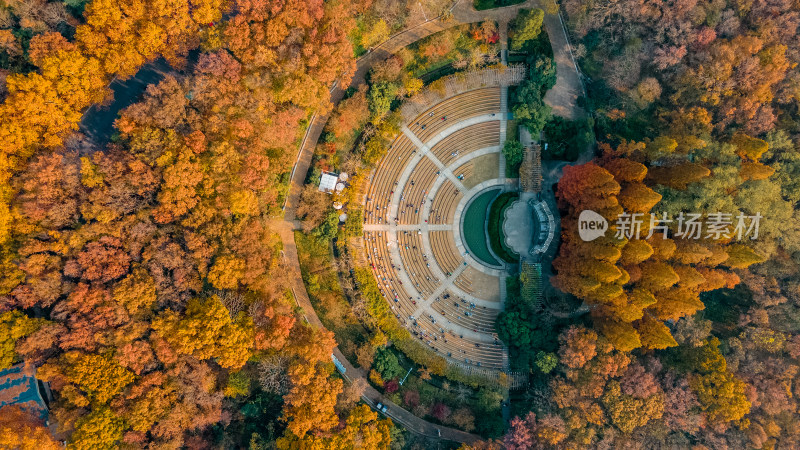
(18, 386)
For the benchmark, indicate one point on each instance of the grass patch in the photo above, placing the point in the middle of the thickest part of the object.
(326, 294)
(495, 228)
(512, 171)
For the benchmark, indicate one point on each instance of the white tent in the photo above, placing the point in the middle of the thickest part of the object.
(327, 183)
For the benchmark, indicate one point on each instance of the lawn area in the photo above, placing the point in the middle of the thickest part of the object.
(475, 229)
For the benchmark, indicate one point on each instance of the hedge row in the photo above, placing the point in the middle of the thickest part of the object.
(495, 227)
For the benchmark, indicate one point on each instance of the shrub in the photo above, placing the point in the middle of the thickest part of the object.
(440, 411)
(546, 362)
(238, 384)
(375, 378)
(411, 398)
(391, 386)
(381, 96)
(513, 152)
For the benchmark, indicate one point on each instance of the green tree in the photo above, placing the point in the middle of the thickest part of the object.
(527, 26)
(513, 152)
(387, 364)
(380, 99)
(546, 361)
(530, 109)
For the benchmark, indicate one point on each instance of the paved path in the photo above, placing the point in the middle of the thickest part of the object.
(564, 95)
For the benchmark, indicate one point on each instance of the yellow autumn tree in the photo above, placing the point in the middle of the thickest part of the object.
(99, 376)
(363, 429)
(226, 272)
(654, 334)
(205, 330)
(310, 406)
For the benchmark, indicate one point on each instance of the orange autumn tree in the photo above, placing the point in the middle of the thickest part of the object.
(603, 388)
(20, 429)
(267, 39)
(631, 284)
(118, 247)
(43, 107)
(153, 258)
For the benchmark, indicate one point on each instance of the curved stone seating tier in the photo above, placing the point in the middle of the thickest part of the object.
(444, 204)
(466, 141)
(415, 192)
(413, 253)
(391, 287)
(465, 170)
(452, 345)
(384, 180)
(462, 312)
(416, 263)
(479, 284)
(484, 168)
(445, 252)
(458, 83)
(455, 109)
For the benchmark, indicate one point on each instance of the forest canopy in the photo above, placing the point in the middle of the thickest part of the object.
(153, 280)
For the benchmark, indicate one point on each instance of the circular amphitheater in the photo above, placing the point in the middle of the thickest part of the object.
(447, 155)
